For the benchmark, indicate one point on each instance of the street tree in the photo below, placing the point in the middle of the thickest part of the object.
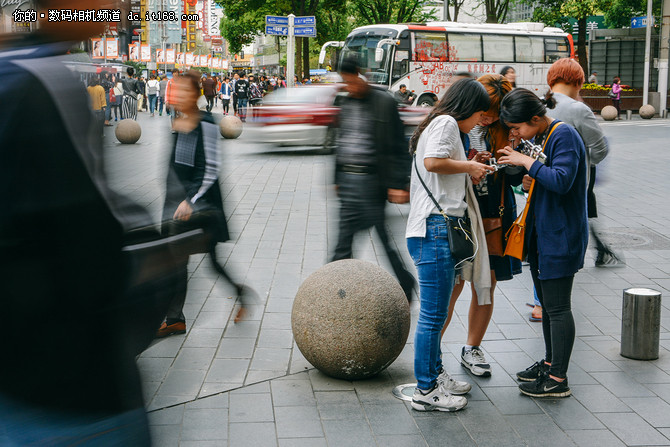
(370, 12)
(620, 12)
(457, 5)
(496, 10)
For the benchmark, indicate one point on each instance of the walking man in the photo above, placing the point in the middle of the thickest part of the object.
(372, 164)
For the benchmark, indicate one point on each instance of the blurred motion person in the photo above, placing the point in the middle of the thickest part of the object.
(73, 329)
(152, 92)
(242, 93)
(565, 78)
(192, 189)
(440, 163)
(372, 165)
(510, 74)
(615, 94)
(162, 87)
(403, 96)
(557, 233)
(226, 94)
(209, 90)
(495, 198)
(107, 83)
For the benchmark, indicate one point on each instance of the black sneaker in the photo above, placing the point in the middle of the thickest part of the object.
(545, 386)
(533, 372)
(609, 259)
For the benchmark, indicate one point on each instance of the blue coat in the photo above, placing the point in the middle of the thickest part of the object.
(558, 207)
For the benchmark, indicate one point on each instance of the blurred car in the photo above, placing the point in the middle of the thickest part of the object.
(307, 116)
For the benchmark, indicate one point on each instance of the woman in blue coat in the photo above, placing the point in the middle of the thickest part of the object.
(557, 229)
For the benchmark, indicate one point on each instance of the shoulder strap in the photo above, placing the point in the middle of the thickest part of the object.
(430, 194)
(546, 140)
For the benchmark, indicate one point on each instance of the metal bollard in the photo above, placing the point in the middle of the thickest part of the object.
(629, 114)
(641, 324)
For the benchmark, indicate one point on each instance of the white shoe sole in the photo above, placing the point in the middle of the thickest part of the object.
(472, 368)
(421, 406)
(563, 394)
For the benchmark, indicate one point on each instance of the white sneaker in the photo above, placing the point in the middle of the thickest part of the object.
(453, 386)
(474, 360)
(437, 400)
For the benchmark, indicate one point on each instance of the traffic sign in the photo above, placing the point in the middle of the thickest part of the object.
(305, 20)
(640, 22)
(276, 30)
(305, 31)
(276, 20)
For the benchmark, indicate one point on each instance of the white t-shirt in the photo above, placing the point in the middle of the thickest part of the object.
(441, 139)
(152, 87)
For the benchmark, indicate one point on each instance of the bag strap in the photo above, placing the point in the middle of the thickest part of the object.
(430, 194)
(501, 208)
(521, 220)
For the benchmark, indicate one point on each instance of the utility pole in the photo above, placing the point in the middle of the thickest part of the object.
(663, 57)
(647, 55)
(290, 52)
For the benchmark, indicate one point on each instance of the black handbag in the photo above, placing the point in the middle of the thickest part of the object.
(459, 230)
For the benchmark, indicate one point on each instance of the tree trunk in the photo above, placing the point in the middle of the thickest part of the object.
(581, 45)
(305, 57)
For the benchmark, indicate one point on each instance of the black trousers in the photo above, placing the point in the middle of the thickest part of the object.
(360, 209)
(558, 325)
(210, 103)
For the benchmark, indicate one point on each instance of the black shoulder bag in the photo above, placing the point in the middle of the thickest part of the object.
(461, 241)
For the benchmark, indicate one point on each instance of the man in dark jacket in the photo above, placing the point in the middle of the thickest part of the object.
(372, 164)
(209, 90)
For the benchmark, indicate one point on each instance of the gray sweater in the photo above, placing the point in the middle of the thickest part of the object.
(578, 115)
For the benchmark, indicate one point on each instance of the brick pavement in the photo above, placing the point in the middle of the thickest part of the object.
(247, 384)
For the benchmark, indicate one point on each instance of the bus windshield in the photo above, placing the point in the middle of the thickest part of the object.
(362, 45)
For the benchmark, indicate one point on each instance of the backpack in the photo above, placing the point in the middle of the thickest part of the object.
(254, 92)
(152, 87)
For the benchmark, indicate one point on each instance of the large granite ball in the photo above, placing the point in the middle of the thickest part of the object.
(647, 111)
(609, 113)
(350, 319)
(230, 127)
(128, 131)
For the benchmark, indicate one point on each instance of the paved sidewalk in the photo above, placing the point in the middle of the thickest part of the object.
(247, 384)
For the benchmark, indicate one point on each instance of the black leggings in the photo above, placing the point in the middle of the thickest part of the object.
(558, 324)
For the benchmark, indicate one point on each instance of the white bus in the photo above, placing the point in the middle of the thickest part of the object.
(425, 57)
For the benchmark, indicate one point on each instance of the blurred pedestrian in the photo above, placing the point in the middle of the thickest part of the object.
(510, 74)
(162, 88)
(404, 96)
(255, 93)
(98, 103)
(226, 94)
(209, 91)
(372, 166)
(615, 94)
(107, 83)
(170, 95)
(142, 94)
(73, 330)
(118, 99)
(495, 198)
(236, 77)
(565, 78)
(152, 88)
(593, 79)
(557, 233)
(131, 92)
(441, 171)
(242, 93)
(193, 195)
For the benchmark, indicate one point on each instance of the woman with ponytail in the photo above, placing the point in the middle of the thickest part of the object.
(440, 163)
(557, 229)
(485, 139)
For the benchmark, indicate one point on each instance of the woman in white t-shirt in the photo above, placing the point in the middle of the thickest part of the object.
(441, 162)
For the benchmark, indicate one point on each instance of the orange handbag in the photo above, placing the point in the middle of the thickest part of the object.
(516, 235)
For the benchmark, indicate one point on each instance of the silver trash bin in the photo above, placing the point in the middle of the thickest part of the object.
(629, 114)
(641, 324)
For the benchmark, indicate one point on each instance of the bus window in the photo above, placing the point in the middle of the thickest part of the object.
(401, 59)
(529, 49)
(555, 48)
(465, 47)
(430, 47)
(498, 48)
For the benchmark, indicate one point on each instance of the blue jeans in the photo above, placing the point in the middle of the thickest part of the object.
(242, 108)
(435, 268)
(161, 102)
(152, 103)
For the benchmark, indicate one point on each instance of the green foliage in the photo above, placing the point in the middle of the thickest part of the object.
(580, 9)
(619, 12)
(138, 66)
(369, 12)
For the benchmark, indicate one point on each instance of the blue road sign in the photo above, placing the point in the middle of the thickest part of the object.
(276, 20)
(276, 30)
(305, 31)
(304, 20)
(640, 22)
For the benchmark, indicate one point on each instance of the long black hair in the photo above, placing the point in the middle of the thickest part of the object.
(521, 105)
(464, 98)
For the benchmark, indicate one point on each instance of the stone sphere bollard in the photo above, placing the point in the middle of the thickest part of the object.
(230, 127)
(350, 319)
(647, 111)
(609, 113)
(128, 131)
